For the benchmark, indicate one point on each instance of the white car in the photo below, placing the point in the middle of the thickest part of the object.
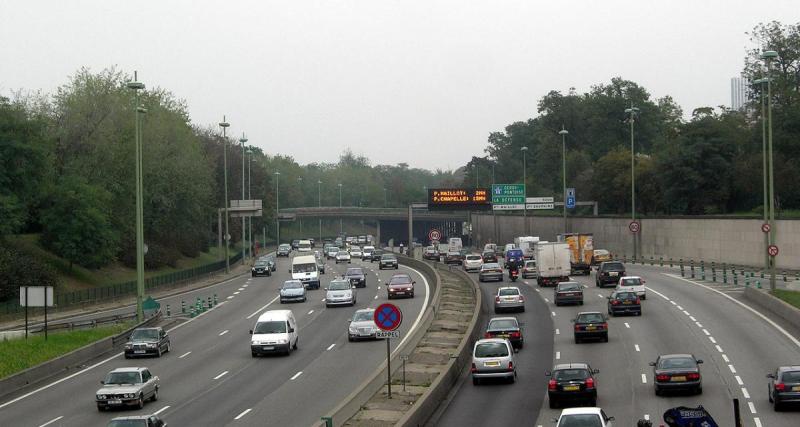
(342, 256)
(340, 292)
(632, 284)
(355, 252)
(586, 416)
(473, 262)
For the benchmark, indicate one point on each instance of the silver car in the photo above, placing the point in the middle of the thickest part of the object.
(293, 290)
(362, 325)
(509, 298)
(493, 358)
(473, 262)
(127, 387)
(342, 256)
(340, 292)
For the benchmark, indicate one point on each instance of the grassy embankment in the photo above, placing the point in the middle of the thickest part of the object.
(791, 297)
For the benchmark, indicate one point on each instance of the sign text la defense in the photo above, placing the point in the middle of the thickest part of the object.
(472, 199)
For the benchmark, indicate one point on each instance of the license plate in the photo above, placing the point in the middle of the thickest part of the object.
(268, 347)
(115, 402)
(627, 302)
(796, 388)
(503, 336)
(572, 388)
(591, 328)
(613, 273)
(139, 351)
(492, 363)
(678, 379)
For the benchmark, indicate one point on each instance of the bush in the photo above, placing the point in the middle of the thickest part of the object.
(157, 256)
(20, 269)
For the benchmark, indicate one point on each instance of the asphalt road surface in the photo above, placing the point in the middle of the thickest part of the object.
(209, 377)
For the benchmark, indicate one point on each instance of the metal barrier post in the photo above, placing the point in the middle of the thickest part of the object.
(168, 312)
(725, 273)
(183, 307)
(692, 264)
(215, 300)
(713, 271)
(209, 302)
(682, 270)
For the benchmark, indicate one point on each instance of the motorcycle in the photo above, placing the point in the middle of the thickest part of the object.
(513, 274)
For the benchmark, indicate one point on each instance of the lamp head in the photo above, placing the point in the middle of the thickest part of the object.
(769, 54)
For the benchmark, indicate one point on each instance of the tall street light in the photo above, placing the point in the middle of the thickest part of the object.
(768, 56)
(224, 125)
(249, 197)
(300, 205)
(632, 113)
(243, 140)
(319, 205)
(563, 132)
(277, 210)
(385, 204)
(136, 86)
(341, 228)
(524, 189)
(764, 166)
(494, 212)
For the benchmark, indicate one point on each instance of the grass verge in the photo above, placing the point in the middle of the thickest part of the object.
(791, 297)
(20, 354)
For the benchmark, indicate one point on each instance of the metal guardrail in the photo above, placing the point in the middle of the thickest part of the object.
(79, 324)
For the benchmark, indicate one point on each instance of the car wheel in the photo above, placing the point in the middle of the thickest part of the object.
(644, 296)
(558, 304)
(155, 395)
(658, 391)
(126, 356)
(577, 340)
(350, 338)
(480, 279)
(769, 395)
(580, 303)
(605, 338)
(296, 342)
(698, 390)
(776, 406)
(522, 310)
(253, 275)
(158, 351)
(253, 354)
(553, 404)
(396, 267)
(476, 381)
(513, 378)
(140, 402)
(638, 313)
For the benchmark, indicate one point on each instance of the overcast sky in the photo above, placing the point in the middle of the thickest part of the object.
(422, 82)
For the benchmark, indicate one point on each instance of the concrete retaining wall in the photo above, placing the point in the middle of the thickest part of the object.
(774, 305)
(723, 240)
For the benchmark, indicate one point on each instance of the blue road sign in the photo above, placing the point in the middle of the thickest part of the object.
(388, 317)
(570, 198)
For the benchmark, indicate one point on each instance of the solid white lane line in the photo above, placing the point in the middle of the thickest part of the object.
(712, 340)
(245, 285)
(739, 380)
(745, 393)
(546, 300)
(692, 318)
(757, 421)
(242, 414)
(752, 407)
(376, 297)
(558, 355)
(421, 312)
(51, 421)
(310, 311)
(240, 289)
(674, 303)
(295, 376)
(221, 375)
(644, 379)
(706, 332)
(600, 295)
(725, 358)
(719, 349)
(265, 306)
(223, 332)
(558, 332)
(636, 346)
(330, 347)
(627, 325)
(161, 410)
(537, 290)
(184, 355)
(733, 370)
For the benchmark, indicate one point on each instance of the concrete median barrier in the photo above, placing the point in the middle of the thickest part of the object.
(773, 304)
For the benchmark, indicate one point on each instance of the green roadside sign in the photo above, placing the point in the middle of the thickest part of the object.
(508, 194)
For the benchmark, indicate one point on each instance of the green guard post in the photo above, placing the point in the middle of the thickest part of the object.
(328, 421)
(215, 300)
(209, 302)
(168, 311)
(183, 307)
(758, 284)
(692, 265)
(713, 271)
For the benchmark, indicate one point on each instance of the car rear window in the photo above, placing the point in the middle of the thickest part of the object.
(491, 349)
(354, 272)
(473, 257)
(631, 282)
(676, 362)
(127, 423)
(503, 324)
(569, 286)
(624, 295)
(589, 318)
(505, 292)
(491, 266)
(292, 284)
(613, 266)
(530, 264)
(570, 374)
(580, 420)
(791, 377)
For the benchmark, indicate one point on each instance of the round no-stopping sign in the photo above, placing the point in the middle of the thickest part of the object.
(765, 227)
(634, 226)
(434, 234)
(388, 317)
(772, 250)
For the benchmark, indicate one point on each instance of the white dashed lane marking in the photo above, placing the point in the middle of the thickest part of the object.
(184, 355)
(330, 347)
(221, 375)
(294, 377)
(242, 414)
(644, 379)
(636, 346)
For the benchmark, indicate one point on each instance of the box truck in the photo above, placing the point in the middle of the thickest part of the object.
(581, 249)
(552, 263)
(528, 245)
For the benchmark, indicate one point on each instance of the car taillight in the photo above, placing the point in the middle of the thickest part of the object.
(590, 383)
(515, 334)
(510, 366)
(521, 298)
(497, 299)
(604, 325)
(662, 377)
(551, 385)
(780, 386)
(473, 368)
(577, 328)
(487, 335)
(614, 302)
(638, 301)
(693, 377)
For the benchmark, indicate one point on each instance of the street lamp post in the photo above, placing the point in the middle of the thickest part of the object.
(277, 210)
(300, 205)
(242, 140)
(494, 212)
(632, 112)
(249, 197)
(563, 132)
(341, 228)
(139, 110)
(768, 56)
(385, 204)
(764, 167)
(319, 204)
(224, 125)
(524, 189)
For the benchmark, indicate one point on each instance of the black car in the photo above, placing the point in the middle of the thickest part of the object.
(137, 421)
(609, 272)
(261, 268)
(672, 372)
(590, 325)
(624, 302)
(453, 257)
(388, 261)
(505, 327)
(572, 382)
(568, 293)
(283, 250)
(489, 257)
(376, 255)
(356, 276)
(784, 386)
(147, 342)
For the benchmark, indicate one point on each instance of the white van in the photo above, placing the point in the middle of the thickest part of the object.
(275, 331)
(304, 246)
(304, 268)
(454, 244)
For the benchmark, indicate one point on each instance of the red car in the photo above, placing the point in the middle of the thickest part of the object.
(400, 285)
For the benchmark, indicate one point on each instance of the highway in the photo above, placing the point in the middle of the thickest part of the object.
(738, 346)
(210, 378)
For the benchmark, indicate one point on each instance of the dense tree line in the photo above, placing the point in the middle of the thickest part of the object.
(708, 164)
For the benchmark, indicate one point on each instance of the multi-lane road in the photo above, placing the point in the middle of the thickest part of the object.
(209, 377)
(738, 344)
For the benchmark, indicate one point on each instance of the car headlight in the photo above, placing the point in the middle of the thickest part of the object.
(353, 330)
(101, 397)
(129, 395)
(283, 341)
(128, 346)
(152, 345)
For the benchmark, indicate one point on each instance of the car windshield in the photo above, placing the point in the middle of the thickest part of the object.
(144, 334)
(580, 420)
(613, 266)
(339, 286)
(631, 282)
(285, 247)
(400, 280)
(127, 423)
(292, 284)
(355, 248)
(508, 291)
(570, 374)
(791, 377)
(676, 363)
(354, 272)
(304, 268)
(270, 327)
(491, 349)
(569, 286)
(473, 257)
(624, 295)
(333, 249)
(388, 257)
(589, 318)
(123, 378)
(261, 264)
(503, 324)
(530, 264)
(342, 253)
(362, 316)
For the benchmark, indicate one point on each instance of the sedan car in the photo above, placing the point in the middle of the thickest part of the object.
(293, 290)
(147, 342)
(340, 292)
(624, 302)
(489, 257)
(509, 298)
(376, 255)
(784, 386)
(677, 372)
(362, 325)
(453, 257)
(473, 262)
(493, 358)
(590, 325)
(356, 276)
(431, 254)
(633, 284)
(261, 268)
(572, 382)
(137, 421)
(529, 270)
(127, 387)
(568, 293)
(270, 260)
(355, 252)
(491, 271)
(283, 250)
(342, 256)
(609, 272)
(400, 284)
(505, 327)
(594, 417)
(388, 261)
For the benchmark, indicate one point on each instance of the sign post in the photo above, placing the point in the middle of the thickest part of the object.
(434, 234)
(772, 250)
(36, 296)
(634, 227)
(388, 318)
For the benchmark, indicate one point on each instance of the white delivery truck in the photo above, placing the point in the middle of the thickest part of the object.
(528, 246)
(304, 268)
(454, 244)
(552, 263)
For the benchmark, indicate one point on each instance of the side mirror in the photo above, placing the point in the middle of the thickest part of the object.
(291, 330)
(652, 363)
(610, 419)
(771, 376)
(595, 371)
(547, 373)
(102, 382)
(573, 320)
(413, 283)
(251, 332)
(699, 361)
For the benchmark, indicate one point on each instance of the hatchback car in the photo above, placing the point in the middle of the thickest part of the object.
(355, 252)
(356, 276)
(342, 256)
(431, 254)
(340, 292)
(489, 257)
(568, 293)
(331, 252)
(490, 271)
(283, 250)
(624, 302)
(609, 272)
(453, 257)
(529, 270)
(572, 382)
(147, 342)
(584, 417)
(388, 261)
(293, 290)
(124, 387)
(400, 284)
(261, 268)
(505, 327)
(784, 386)
(137, 421)
(632, 284)
(473, 262)
(493, 358)
(362, 325)
(672, 372)
(590, 325)
(509, 298)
